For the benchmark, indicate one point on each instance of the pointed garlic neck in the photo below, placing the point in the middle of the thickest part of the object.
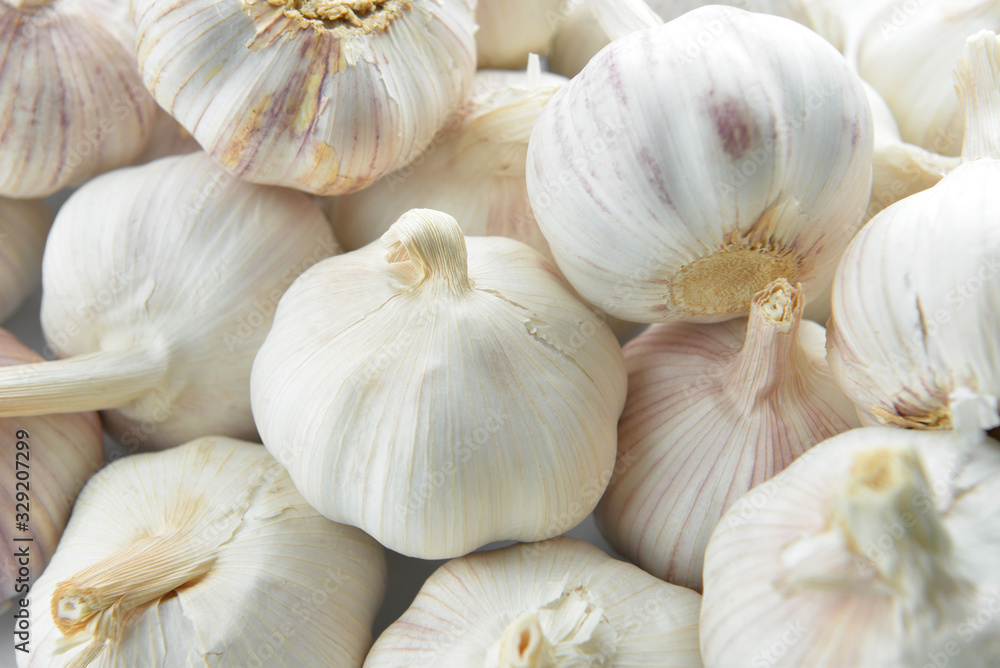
(769, 351)
(621, 17)
(977, 76)
(343, 17)
(433, 244)
(523, 645)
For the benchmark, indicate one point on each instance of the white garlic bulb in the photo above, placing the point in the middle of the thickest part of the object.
(915, 287)
(560, 602)
(204, 555)
(509, 30)
(159, 284)
(908, 53)
(24, 225)
(440, 392)
(473, 170)
(46, 461)
(878, 547)
(675, 187)
(324, 96)
(72, 102)
(712, 411)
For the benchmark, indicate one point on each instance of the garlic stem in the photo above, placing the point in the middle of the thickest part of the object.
(523, 645)
(621, 17)
(106, 379)
(434, 244)
(977, 75)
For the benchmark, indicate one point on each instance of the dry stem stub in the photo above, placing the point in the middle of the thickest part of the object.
(343, 17)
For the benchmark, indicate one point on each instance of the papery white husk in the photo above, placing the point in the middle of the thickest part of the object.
(817, 556)
(656, 177)
(609, 612)
(262, 578)
(304, 107)
(24, 224)
(712, 411)
(71, 101)
(159, 284)
(441, 392)
(46, 461)
(509, 30)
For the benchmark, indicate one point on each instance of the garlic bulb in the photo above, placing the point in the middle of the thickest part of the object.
(72, 102)
(440, 392)
(511, 29)
(159, 283)
(712, 411)
(204, 555)
(886, 537)
(474, 168)
(46, 461)
(746, 163)
(907, 340)
(324, 96)
(561, 602)
(908, 53)
(24, 225)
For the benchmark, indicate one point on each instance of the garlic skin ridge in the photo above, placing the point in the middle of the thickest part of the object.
(712, 411)
(24, 224)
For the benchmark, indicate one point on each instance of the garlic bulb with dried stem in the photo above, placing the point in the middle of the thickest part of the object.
(204, 555)
(907, 340)
(71, 101)
(886, 537)
(324, 96)
(24, 224)
(159, 283)
(560, 602)
(441, 392)
(712, 411)
(749, 162)
(509, 30)
(46, 461)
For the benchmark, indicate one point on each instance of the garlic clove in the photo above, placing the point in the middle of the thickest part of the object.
(199, 554)
(441, 392)
(324, 97)
(24, 225)
(509, 30)
(560, 602)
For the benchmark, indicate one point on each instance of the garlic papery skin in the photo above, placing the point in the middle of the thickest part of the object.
(204, 554)
(712, 411)
(46, 461)
(747, 163)
(557, 603)
(908, 53)
(159, 283)
(71, 101)
(441, 392)
(888, 537)
(509, 30)
(473, 170)
(324, 96)
(906, 339)
(24, 225)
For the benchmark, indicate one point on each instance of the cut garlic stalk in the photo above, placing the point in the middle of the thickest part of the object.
(324, 96)
(749, 162)
(204, 554)
(712, 411)
(554, 604)
(440, 392)
(511, 29)
(883, 536)
(159, 283)
(907, 341)
(24, 224)
(71, 100)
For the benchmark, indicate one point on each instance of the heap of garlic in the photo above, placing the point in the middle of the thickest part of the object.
(324, 96)
(712, 411)
(24, 225)
(71, 100)
(675, 186)
(561, 602)
(204, 554)
(878, 547)
(159, 283)
(440, 392)
(46, 461)
(907, 341)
